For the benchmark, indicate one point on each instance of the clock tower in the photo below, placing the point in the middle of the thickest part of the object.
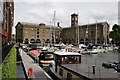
(74, 20)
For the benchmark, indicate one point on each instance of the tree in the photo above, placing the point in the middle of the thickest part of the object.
(115, 34)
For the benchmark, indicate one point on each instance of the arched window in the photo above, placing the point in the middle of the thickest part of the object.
(32, 40)
(47, 41)
(38, 41)
(26, 41)
(98, 41)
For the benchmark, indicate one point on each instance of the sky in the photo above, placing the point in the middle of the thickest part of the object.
(42, 11)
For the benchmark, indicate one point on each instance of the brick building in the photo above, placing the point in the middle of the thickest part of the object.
(37, 33)
(6, 19)
(96, 33)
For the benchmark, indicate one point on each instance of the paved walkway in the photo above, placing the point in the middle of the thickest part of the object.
(20, 72)
(38, 72)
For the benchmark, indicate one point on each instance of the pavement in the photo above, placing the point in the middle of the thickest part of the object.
(28, 62)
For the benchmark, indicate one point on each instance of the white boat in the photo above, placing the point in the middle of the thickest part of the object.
(58, 71)
(68, 66)
(95, 50)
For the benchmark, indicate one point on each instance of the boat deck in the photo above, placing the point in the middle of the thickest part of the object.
(101, 73)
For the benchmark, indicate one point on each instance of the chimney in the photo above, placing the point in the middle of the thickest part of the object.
(41, 24)
(58, 24)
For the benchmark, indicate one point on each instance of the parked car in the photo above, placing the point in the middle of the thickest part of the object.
(110, 65)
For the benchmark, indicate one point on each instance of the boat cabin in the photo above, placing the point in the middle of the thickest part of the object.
(67, 57)
(61, 58)
(45, 58)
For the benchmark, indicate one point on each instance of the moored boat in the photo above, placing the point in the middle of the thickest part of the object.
(60, 72)
(68, 65)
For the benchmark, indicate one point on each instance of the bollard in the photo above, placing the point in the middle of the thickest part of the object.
(93, 69)
(30, 73)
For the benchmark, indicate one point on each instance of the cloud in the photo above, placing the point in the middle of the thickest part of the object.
(66, 1)
(46, 14)
(102, 15)
(37, 12)
(119, 13)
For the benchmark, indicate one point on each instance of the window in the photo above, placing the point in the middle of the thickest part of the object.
(37, 36)
(61, 72)
(26, 41)
(37, 32)
(38, 41)
(10, 5)
(76, 19)
(73, 18)
(71, 59)
(32, 41)
(69, 76)
(49, 56)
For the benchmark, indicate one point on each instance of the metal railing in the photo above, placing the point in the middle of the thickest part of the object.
(5, 51)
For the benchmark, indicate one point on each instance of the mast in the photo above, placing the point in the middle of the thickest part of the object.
(96, 33)
(87, 30)
(78, 35)
(54, 26)
(50, 33)
(119, 59)
(119, 44)
(86, 33)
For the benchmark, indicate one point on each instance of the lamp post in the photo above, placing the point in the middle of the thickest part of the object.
(118, 70)
(119, 43)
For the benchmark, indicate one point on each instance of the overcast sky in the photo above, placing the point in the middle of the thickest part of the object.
(42, 11)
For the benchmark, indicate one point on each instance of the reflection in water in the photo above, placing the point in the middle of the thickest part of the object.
(95, 60)
(20, 72)
(98, 59)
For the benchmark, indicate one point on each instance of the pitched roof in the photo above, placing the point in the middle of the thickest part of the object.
(89, 24)
(74, 14)
(25, 24)
(95, 23)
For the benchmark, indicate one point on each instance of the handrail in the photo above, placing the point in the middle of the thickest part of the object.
(7, 54)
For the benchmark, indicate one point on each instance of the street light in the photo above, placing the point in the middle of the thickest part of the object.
(118, 69)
